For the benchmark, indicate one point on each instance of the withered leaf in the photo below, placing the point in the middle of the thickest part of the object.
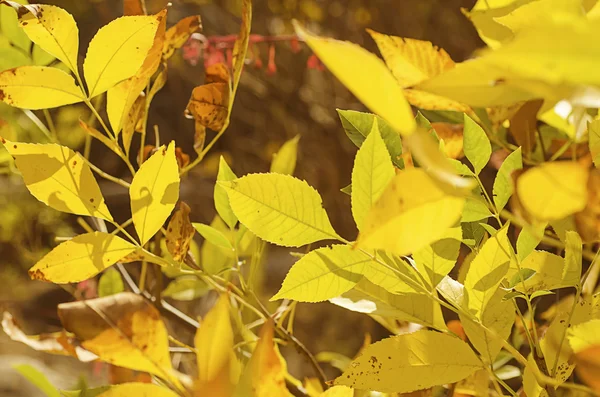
(134, 7)
(523, 125)
(209, 105)
(180, 232)
(176, 36)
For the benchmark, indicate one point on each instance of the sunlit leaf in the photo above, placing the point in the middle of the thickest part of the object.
(11, 57)
(222, 205)
(93, 132)
(38, 379)
(284, 161)
(573, 257)
(594, 141)
(280, 209)
(366, 76)
(553, 190)
(477, 146)
(503, 185)
(373, 170)
(110, 283)
(403, 221)
(118, 50)
(186, 288)
(475, 210)
(417, 356)
(38, 87)
(10, 28)
(138, 389)
(214, 258)
(437, 260)
(154, 192)
(59, 177)
(213, 236)
(179, 232)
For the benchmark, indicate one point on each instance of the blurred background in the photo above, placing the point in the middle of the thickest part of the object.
(272, 106)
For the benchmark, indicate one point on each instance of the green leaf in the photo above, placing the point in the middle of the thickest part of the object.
(373, 170)
(358, 126)
(215, 259)
(472, 233)
(437, 260)
(213, 236)
(186, 288)
(529, 238)
(38, 379)
(323, 274)
(503, 185)
(594, 141)
(110, 283)
(222, 205)
(498, 316)
(284, 161)
(417, 357)
(154, 192)
(280, 209)
(521, 276)
(475, 210)
(369, 298)
(487, 271)
(477, 146)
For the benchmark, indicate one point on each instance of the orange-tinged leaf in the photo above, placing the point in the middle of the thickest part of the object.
(137, 389)
(122, 329)
(132, 119)
(118, 51)
(51, 28)
(177, 35)
(264, 375)
(38, 87)
(94, 133)
(60, 343)
(523, 125)
(121, 98)
(180, 232)
(154, 192)
(209, 105)
(59, 178)
(80, 258)
(588, 366)
(134, 7)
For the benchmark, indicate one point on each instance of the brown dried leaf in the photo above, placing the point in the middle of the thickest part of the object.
(177, 35)
(134, 7)
(180, 232)
(94, 133)
(199, 136)
(523, 125)
(209, 105)
(60, 343)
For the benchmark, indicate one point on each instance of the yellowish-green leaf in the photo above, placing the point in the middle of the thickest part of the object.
(475, 210)
(417, 356)
(477, 146)
(552, 191)
(284, 161)
(154, 192)
(584, 335)
(124, 330)
(323, 274)
(366, 76)
(118, 50)
(38, 379)
(503, 185)
(529, 238)
(215, 259)
(266, 371)
(213, 235)
(411, 61)
(110, 283)
(59, 177)
(222, 205)
(403, 221)
(138, 390)
(373, 170)
(437, 260)
(280, 209)
(499, 316)
(369, 298)
(549, 269)
(573, 258)
(10, 28)
(392, 274)
(80, 258)
(487, 271)
(11, 57)
(594, 141)
(38, 87)
(51, 28)
(186, 288)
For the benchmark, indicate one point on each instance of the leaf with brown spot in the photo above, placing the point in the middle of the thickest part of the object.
(217, 73)
(523, 125)
(60, 343)
(134, 7)
(122, 329)
(199, 136)
(176, 36)
(180, 232)
(209, 105)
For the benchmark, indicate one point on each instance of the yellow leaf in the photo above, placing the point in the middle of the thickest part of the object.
(417, 357)
(38, 87)
(122, 329)
(180, 232)
(138, 390)
(52, 28)
(59, 177)
(411, 61)
(264, 375)
(109, 143)
(284, 161)
(240, 47)
(154, 192)
(554, 190)
(214, 258)
(177, 35)
(80, 258)
(338, 391)
(541, 12)
(403, 221)
(118, 50)
(548, 275)
(220, 195)
(217, 364)
(280, 209)
(584, 336)
(437, 260)
(487, 270)
(373, 170)
(428, 101)
(366, 76)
